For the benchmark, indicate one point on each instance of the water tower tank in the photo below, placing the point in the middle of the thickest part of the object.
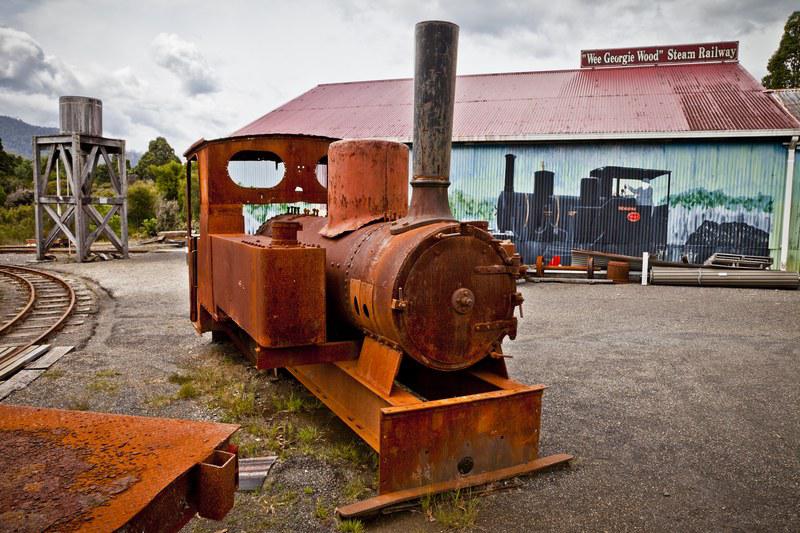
(81, 114)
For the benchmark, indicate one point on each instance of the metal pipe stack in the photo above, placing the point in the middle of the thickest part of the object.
(434, 101)
(714, 277)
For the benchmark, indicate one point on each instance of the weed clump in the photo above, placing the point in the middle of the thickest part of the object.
(350, 526)
(453, 510)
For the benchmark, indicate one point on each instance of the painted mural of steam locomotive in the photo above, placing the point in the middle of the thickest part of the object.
(618, 209)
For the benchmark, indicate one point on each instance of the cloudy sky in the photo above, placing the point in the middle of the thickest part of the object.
(190, 69)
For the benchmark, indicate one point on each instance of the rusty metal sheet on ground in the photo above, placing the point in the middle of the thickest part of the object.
(73, 470)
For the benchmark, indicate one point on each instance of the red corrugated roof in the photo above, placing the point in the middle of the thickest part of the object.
(614, 102)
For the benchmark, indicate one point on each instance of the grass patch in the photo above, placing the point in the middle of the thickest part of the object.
(278, 497)
(103, 382)
(290, 404)
(350, 526)
(179, 379)
(321, 510)
(308, 435)
(355, 488)
(249, 448)
(160, 400)
(188, 391)
(224, 385)
(54, 374)
(453, 510)
(237, 401)
(308, 491)
(259, 436)
(356, 453)
(103, 385)
(78, 404)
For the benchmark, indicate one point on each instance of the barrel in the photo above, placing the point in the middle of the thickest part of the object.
(618, 271)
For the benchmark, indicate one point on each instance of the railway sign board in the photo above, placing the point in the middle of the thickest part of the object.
(656, 55)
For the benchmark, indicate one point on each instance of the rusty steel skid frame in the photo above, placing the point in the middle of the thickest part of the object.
(426, 447)
(481, 427)
(265, 358)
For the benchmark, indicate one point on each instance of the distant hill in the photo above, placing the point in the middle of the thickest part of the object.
(16, 135)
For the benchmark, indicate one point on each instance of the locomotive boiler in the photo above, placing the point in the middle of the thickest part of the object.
(392, 313)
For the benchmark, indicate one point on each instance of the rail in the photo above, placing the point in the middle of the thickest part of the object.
(50, 302)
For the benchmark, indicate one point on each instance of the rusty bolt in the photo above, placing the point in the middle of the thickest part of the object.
(463, 300)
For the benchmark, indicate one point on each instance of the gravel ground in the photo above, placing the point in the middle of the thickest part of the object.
(681, 405)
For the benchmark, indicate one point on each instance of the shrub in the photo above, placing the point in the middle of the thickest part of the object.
(113, 223)
(167, 215)
(150, 226)
(167, 178)
(16, 224)
(19, 197)
(142, 199)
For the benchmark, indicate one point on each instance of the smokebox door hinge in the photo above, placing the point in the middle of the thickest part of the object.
(516, 301)
(496, 269)
(510, 326)
(399, 303)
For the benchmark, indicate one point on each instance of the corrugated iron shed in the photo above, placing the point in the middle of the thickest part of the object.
(721, 100)
(790, 99)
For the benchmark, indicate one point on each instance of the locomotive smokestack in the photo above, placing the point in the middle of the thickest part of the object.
(434, 98)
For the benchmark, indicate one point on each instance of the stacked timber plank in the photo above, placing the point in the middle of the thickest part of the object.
(13, 359)
(20, 367)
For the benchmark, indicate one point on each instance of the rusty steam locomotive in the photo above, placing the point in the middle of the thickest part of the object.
(391, 314)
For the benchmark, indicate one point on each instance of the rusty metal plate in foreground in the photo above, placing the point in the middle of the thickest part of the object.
(74, 470)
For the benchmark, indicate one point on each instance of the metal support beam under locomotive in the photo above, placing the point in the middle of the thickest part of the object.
(393, 316)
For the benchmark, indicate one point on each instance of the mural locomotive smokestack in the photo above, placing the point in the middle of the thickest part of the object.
(509, 185)
(434, 98)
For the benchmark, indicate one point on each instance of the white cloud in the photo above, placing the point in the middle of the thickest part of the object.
(25, 67)
(185, 61)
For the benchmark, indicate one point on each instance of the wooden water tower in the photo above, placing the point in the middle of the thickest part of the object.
(64, 168)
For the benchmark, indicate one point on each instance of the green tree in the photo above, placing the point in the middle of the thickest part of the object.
(101, 174)
(167, 178)
(16, 172)
(159, 152)
(783, 69)
(142, 200)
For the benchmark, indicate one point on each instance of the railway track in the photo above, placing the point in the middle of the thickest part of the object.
(33, 305)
